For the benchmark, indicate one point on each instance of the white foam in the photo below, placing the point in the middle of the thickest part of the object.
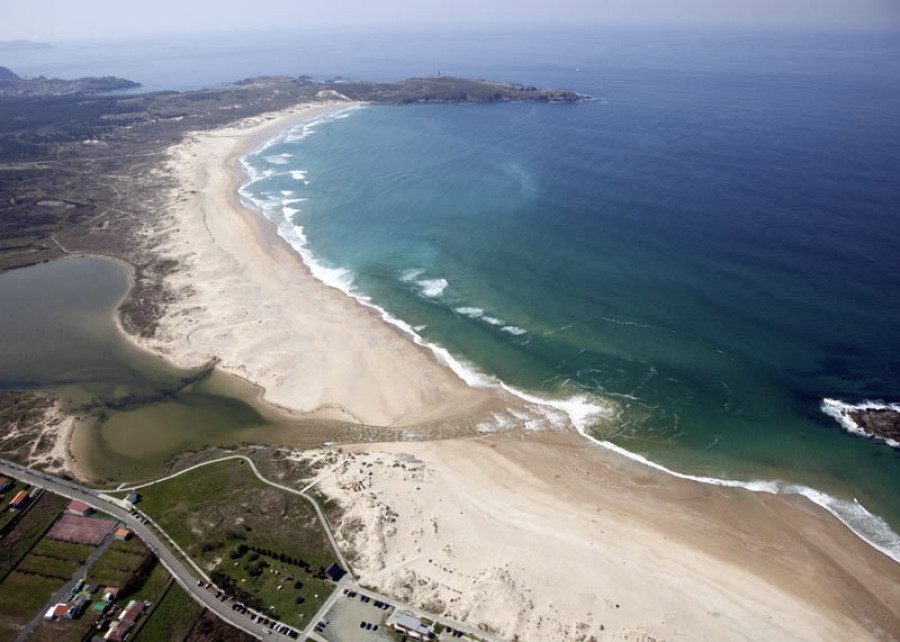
(290, 211)
(411, 275)
(433, 287)
(869, 527)
(493, 320)
(514, 329)
(299, 174)
(277, 160)
(471, 312)
(287, 192)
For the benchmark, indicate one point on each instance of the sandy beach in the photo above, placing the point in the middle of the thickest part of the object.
(548, 537)
(243, 296)
(537, 534)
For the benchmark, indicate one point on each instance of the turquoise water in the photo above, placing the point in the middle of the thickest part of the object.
(710, 246)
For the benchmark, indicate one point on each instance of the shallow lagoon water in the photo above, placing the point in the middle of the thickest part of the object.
(58, 334)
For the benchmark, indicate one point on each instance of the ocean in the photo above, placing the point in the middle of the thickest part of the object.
(708, 246)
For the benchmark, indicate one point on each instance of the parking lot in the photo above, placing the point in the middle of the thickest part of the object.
(347, 619)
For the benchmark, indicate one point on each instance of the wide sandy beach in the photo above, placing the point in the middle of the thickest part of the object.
(535, 533)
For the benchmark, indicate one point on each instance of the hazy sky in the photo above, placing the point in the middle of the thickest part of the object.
(56, 19)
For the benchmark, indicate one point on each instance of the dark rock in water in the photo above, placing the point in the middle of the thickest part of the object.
(880, 423)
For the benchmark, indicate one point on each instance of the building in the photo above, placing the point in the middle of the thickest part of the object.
(134, 497)
(411, 626)
(5, 484)
(76, 507)
(20, 500)
(110, 594)
(123, 534)
(133, 611)
(119, 631)
(77, 607)
(57, 611)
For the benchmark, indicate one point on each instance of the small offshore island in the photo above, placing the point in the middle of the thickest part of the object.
(438, 494)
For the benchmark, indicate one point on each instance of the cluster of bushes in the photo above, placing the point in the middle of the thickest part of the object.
(255, 551)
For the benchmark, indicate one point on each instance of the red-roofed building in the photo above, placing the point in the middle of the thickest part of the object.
(123, 534)
(133, 611)
(56, 612)
(5, 484)
(119, 631)
(76, 507)
(19, 500)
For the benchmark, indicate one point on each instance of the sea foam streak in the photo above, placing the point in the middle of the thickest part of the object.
(480, 315)
(582, 411)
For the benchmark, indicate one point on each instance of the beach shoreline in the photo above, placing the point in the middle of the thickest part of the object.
(245, 297)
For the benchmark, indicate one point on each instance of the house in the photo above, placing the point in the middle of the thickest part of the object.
(119, 631)
(77, 607)
(133, 611)
(134, 497)
(411, 626)
(56, 611)
(20, 500)
(5, 484)
(123, 534)
(110, 594)
(335, 573)
(76, 507)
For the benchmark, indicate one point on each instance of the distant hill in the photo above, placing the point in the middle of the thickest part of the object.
(22, 45)
(11, 85)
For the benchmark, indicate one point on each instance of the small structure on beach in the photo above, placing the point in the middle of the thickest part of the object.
(335, 573)
(20, 500)
(409, 625)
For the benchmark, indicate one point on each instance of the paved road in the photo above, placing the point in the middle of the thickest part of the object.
(173, 565)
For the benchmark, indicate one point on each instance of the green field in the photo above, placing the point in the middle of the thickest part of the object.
(150, 586)
(172, 619)
(29, 530)
(55, 559)
(23, 595)
(118, 563)
(214, 509)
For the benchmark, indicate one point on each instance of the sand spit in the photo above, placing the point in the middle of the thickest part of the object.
(549, 538)
(242, 295)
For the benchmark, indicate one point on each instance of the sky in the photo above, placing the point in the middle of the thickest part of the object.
(46, 20)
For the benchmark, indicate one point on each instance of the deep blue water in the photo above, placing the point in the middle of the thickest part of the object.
(711, 244)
